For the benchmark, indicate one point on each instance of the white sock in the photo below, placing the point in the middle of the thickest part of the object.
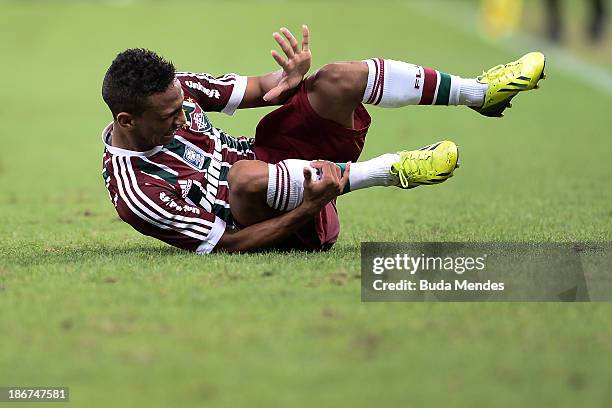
(471, 92)
(392, 84)
(286, 179)
(286, 183)
(373, 172)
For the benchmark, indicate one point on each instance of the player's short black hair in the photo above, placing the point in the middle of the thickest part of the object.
(134, 75)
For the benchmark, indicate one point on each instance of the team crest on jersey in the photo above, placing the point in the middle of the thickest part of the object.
(194, 156)
(197, 120)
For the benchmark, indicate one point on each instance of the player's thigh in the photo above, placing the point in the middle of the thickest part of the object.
(248, 185)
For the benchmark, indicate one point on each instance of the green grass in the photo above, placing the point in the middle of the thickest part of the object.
(123, 320)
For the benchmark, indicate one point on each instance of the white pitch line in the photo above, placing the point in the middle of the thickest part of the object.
(461, 18)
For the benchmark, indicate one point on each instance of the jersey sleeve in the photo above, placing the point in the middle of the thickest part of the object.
(220, 94)
(161, 213)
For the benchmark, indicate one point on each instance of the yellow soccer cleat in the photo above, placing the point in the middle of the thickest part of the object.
(505, 81)
(431, 164)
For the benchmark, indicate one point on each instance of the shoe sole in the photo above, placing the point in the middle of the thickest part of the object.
(498, 110)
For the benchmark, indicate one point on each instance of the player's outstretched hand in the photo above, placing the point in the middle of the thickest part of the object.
(329, 186)
(295, 66)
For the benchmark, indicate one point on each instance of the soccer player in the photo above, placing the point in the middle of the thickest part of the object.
(174, 176)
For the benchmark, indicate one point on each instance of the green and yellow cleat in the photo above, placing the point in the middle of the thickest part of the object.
(505, 81)
(431, 164)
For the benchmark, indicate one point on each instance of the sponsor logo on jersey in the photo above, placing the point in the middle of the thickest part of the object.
(194, 156)
(196, 118)
(170, 203)
(211, 93)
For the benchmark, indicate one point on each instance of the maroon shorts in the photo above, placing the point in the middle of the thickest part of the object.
(296, 131)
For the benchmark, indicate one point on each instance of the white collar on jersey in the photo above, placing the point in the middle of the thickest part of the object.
(106, 139)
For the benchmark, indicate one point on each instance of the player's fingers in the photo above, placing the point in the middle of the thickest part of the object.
(337, 172)
(307, 176)
(279, 60)
(330, 171)
(292, 41)
(317, 164)
(305, 38)
(345, 177)
(323, 169)
(272, 93)
(284, 45)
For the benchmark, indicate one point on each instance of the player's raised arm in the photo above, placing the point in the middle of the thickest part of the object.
(275, 87)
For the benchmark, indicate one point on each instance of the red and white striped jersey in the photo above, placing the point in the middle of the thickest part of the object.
(178, 192)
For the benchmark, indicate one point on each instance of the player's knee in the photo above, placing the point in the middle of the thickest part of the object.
(248, 177)
(340, 80)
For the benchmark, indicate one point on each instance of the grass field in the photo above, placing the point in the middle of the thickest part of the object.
(123, 320)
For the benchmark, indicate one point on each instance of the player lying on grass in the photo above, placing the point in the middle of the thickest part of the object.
(172, 175)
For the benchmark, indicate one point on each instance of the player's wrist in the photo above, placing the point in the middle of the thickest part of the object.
(309, 208)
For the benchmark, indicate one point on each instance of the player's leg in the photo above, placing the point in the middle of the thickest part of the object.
(336, 89)
(259, 191)
(248, 184)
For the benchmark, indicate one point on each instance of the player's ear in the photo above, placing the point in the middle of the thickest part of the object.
(125, 120)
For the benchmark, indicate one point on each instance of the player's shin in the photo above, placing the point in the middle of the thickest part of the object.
(393, 84)
(286, 179)
(286, 183)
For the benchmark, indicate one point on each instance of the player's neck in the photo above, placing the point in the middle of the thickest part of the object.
(125, 141)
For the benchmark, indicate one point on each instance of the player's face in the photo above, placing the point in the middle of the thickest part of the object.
(163, 117)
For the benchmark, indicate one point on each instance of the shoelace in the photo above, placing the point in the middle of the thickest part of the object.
(413, 164)
(499, 71)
